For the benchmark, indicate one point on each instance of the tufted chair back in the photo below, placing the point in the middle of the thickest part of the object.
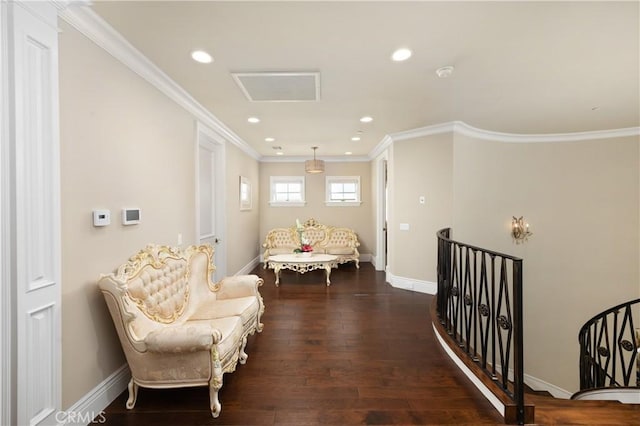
(161, 293)
(342, 237)
(154, 288)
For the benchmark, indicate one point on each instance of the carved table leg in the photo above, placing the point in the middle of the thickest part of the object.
(328, 269)
(276, 270)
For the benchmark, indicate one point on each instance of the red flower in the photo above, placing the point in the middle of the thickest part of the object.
(306, 247)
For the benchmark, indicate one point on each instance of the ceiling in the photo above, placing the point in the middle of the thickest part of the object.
(519, 67)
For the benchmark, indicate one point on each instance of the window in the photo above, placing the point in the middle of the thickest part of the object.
(343, 191)
(287, 191)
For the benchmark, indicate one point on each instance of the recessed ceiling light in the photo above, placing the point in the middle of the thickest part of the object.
(269, 139)
(348, 153)
(355, 138)
(401, 54)
(201, 56)
(444, 72)
(253, 120)
(279, 153)
(366, 119)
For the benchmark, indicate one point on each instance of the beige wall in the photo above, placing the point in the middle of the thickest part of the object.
(419, 167)
(242, 238)
(581, 199)
(124, 144)
(357, 218)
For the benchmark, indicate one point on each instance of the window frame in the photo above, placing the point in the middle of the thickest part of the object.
(274, 180)
(329, 180)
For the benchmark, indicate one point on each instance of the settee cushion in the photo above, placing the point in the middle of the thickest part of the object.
(288, 249)
(338, 250)
(177, 339)
(243, 307)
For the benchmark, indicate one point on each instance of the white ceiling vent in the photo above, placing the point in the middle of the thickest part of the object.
(279, 86)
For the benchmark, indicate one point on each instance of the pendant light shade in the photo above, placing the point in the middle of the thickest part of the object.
(314, 166)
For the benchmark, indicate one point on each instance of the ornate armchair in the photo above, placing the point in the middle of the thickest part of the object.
(176, 327)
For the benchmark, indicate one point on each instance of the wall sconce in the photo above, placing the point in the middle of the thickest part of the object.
(520, 229)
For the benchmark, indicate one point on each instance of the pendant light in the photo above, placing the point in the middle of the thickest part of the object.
(314, 166)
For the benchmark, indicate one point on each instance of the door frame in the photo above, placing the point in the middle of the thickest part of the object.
(207, 137)
(382, 175)
(7, 252)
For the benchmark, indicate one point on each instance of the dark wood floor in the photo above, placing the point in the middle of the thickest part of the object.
(357, 352)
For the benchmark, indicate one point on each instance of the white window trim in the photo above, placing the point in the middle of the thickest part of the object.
(333, 179)
(273, 180)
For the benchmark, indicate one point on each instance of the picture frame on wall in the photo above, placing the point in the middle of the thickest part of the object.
(245, 193)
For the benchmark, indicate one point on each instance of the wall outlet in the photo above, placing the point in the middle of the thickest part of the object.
(404, 226)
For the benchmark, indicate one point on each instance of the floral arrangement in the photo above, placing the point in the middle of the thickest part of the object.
(305, 244)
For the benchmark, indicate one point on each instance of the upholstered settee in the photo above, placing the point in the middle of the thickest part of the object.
(341, 242)
(178, 328)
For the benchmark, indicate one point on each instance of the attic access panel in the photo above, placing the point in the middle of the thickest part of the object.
(279, 86)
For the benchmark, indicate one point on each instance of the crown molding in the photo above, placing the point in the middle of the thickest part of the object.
(381, 147)
(460, 127)
(92, 26)
(467, 130)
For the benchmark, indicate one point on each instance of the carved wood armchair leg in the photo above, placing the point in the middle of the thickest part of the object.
(214, 402)
(215, 383)
(243, 355)
(133, 394)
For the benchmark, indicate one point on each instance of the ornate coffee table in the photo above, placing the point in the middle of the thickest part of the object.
(302, 263)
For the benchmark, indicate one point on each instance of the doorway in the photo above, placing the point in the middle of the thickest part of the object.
(210, 196)
(382, 214)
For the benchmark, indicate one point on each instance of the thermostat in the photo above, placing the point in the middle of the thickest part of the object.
(131, 216)
(101, 217)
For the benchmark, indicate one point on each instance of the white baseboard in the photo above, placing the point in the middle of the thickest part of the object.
(250, 266)
(540, 385)
(93, 403)
(497, 404)
(412, 284)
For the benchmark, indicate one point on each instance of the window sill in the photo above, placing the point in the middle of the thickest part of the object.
(343, 203)
(286, 204)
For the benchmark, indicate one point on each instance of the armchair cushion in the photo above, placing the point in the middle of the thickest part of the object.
(182, 338)
(243, 307)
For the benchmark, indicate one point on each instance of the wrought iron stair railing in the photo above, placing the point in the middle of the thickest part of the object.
(479, 304)
(609, 348)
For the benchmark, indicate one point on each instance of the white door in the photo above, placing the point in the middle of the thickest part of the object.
(211, 197)
(31, 211)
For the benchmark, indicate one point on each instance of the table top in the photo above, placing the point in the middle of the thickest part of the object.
(300, 258)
